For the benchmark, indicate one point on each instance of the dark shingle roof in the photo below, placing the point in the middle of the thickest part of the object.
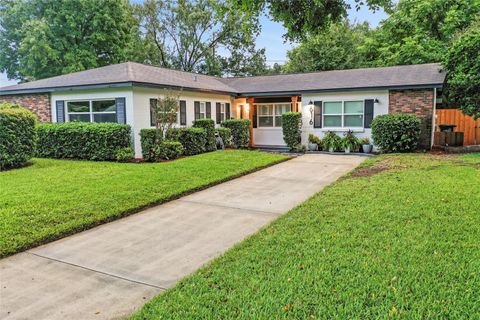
(130, 72)
(398, 76)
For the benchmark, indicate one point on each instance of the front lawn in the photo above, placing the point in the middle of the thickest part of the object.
(53, 198)
(398, 238)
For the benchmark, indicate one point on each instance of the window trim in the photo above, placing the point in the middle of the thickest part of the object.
(223, 113)
(342, 115)
(204, 113)
(273, 115)
(91, 113)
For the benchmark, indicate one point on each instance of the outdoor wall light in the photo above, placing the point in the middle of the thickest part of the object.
(376, 101)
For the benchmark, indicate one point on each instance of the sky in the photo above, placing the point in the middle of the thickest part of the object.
(271, 36)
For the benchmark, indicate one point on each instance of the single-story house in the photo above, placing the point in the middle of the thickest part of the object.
(330, 100)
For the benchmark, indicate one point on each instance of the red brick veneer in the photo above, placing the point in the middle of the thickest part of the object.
(419, 102)
(38, 103)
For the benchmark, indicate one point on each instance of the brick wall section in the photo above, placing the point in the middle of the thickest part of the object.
(419, 102)
(38, 103)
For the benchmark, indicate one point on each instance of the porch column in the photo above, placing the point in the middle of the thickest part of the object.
(294, 104)
(250, 116)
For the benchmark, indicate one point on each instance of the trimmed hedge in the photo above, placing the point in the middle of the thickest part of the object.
(209, 126)
(193, 140)
(396, 132)
(226, 135)
(82, 140)
(292, 129)
(150, 150)
(170, 150)
(240, 131)
(17, 135)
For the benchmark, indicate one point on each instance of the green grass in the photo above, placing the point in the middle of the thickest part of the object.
(53, 198)
(399, 243)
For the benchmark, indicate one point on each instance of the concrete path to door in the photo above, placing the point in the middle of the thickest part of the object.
(110, 271)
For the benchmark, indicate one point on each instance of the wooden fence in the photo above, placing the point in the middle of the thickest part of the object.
(465, 124)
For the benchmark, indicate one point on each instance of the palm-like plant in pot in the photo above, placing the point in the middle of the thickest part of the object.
(314, 142)
(366, 145)
(350, 142)
(331, 141)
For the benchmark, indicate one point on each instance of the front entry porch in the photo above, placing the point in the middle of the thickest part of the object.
(265, 115)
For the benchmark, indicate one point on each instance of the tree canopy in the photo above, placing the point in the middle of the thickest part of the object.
(44, 38)
(206, 36)
(462, 65)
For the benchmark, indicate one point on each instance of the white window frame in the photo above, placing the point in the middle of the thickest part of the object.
(91, 113)
(202, 114)
(343, 114)
(223, 108)
(272, 106)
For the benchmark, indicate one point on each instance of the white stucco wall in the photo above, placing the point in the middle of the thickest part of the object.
(379, 109)
(141, 107)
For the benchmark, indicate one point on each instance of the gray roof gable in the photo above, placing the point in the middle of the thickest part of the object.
(130, 73)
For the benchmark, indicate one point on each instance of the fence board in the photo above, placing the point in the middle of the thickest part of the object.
(466, 124)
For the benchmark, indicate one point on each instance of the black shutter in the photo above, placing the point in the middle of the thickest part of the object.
(197, 109)
(254, 124)
(183, 112)
(218, 112)
(368, 113)
(208, 110)
(317, 114)
(60, 108)
(121, 115)
(153, 108)
(227, 111)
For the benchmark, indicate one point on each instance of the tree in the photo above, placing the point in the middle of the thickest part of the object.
(44, 38)
(337, 47)
(206, 36)
(165, 110)
(419, 31)
(462, 65)
(301, 18)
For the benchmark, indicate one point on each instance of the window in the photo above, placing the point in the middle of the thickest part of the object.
(203, 108)
(270, 115)
(92, 111)
(168, 117)
(343, 114)
(222, 112)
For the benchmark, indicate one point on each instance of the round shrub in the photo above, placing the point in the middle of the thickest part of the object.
(226, 135)
(292, 129)
(396, 132)
(240, 131)
(149, 147)
(193, 140)
(82, 140)
(170, 150)
(209, 126)
(17, 135)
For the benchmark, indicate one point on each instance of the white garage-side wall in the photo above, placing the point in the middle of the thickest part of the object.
(141, 108)
(379, 108)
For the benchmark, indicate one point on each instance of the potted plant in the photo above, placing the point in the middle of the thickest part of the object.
(366, 145)
(350, 142)
(331, 141)
(314, 142)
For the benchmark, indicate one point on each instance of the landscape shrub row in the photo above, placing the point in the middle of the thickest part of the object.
(84, 140)
(240, 130)
(17, 136)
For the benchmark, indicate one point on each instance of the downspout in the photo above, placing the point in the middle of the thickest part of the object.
(434, 116)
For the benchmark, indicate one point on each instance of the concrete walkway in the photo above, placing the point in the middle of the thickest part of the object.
(109, 271)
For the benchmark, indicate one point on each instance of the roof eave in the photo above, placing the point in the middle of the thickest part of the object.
(375, 88)
(126, 84)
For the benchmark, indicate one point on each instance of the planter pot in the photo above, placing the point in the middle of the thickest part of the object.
(367, 148)
(312, 146)
(347, 150)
